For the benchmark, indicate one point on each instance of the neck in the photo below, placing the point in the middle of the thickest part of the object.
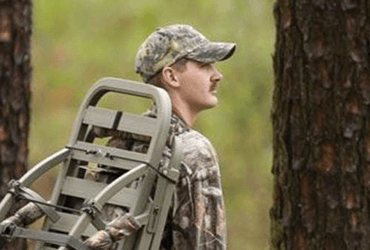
(187, 117)
(186, 113)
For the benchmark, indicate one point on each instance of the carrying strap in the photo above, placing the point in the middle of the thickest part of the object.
(18, 190)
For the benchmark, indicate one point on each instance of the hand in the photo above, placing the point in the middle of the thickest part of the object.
(101, 240)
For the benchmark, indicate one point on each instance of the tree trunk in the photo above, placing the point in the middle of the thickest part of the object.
(15, 77)
(321, 125)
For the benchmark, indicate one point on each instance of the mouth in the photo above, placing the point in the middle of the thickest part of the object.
(213, 89)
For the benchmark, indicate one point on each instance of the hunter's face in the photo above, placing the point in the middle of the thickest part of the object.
(198, 85)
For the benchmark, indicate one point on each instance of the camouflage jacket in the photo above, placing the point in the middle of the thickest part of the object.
(199, 215)
(197, 221)
(197, 218)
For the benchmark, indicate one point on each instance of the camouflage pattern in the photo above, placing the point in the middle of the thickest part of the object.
(115, 230)
(198, 217)
(25, 216)
(166, 45)
(196, 220)
(100, 240)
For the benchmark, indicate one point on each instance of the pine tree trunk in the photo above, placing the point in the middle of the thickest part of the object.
(15, 77)
(321, 125)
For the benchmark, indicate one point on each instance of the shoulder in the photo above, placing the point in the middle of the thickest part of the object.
(198, 151)
(194, 141)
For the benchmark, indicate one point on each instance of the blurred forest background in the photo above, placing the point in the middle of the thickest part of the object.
(75, 43)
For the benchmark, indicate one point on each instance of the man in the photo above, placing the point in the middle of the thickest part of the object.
(180, 60)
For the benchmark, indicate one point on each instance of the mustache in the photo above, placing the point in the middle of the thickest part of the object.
(213, 87)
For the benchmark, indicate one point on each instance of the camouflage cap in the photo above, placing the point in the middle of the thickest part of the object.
(167, 45)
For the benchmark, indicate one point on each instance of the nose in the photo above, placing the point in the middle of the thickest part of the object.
(216, 75)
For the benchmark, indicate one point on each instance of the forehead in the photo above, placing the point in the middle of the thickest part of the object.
(188, 66)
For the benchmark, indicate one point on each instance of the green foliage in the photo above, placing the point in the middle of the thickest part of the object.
(75, 43)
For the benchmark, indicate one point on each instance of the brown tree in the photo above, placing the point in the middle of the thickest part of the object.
(321, 125)
(15, 76)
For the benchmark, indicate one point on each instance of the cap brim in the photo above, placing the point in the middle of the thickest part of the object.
(213, 52)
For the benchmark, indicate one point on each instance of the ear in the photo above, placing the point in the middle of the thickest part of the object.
(170, 78)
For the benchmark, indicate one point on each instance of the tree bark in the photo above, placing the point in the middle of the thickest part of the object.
(15, 77)
(321, 125)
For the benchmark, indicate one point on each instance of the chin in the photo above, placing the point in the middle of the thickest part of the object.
(215, 102)
(212, 104)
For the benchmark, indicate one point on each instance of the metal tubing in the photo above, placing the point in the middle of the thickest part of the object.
(107, 193)
(44, 166)
(31, 176)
